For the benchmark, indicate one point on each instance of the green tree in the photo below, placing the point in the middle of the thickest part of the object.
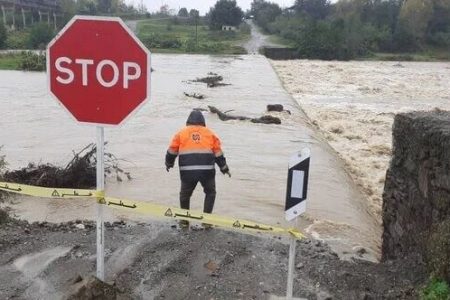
(438, 32)
(183, 12)
(164, 10)
(265, 12)
(316, 9)
(193, 13)
(2, 36)
(415, 16)
(225, 12)
(86, 7)
(105, 6)
(68, 7)
(40, 35)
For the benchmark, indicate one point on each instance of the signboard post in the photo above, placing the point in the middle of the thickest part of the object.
(296, 193)
(100, 189)
(99, 71)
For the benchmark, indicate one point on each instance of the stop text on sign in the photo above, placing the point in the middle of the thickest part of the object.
(103, 69)
(98, 70)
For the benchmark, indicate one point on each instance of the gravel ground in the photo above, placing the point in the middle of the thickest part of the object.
(159, 261)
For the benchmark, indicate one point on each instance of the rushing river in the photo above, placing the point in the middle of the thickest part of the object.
(34, 128)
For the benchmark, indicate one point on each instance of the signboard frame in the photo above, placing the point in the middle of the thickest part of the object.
(132, 35)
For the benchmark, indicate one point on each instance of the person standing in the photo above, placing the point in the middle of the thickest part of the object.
(199, 149)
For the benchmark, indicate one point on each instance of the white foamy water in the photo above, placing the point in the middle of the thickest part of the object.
(354, 103)
(35, 128)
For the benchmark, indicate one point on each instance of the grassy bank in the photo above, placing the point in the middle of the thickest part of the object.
(10, 61)
(276, 39)
(181, 36)
(431, 54)
(23, 61)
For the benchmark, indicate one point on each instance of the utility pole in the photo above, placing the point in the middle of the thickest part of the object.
(196, 32)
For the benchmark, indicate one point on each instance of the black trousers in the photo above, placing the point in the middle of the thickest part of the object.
(188, 186)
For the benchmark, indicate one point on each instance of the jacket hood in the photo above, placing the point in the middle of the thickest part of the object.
(195, 118)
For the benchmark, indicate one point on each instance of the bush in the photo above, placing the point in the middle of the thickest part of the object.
(435, 290)
(152, 41)
(190, 45)
(40, 35)
(17, 40)
(440, 39)
(32, 62)
(171, 44)
(157, 41)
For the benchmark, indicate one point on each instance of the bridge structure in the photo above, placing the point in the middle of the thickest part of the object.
(30, 11)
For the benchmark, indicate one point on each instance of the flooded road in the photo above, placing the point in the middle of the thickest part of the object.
(257, 40)
(34, 128)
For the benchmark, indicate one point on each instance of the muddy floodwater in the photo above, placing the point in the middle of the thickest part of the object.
(354, 104)
(34, 128)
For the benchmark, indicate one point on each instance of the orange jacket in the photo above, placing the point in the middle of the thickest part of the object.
(198, 149)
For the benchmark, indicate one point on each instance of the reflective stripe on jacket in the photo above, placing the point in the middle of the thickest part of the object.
(198, 149)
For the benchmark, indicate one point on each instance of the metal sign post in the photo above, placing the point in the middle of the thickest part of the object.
(101, 83)
(290, 283)
(296, 193)
(101, 191)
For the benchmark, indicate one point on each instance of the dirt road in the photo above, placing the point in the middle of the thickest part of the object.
(257, 40)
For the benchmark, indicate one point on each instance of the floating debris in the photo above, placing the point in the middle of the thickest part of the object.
(195, 95)
(226, 117)
(80, 172)
(212, 80)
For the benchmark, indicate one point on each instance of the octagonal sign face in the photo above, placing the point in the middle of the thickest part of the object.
(98, 70)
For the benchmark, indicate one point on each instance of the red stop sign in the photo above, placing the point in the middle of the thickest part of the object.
(98, 70)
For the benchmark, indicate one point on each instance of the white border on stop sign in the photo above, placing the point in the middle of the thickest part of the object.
(131, 33)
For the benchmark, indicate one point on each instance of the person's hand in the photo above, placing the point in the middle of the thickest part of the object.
(168, 167)
(225, 170)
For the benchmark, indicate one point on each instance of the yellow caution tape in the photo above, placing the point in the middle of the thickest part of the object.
(148, 208)
(46, 192)
(183, 214)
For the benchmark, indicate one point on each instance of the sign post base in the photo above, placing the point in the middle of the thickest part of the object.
(291, 266)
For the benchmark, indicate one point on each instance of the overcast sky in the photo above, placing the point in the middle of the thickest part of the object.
(202, 5)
